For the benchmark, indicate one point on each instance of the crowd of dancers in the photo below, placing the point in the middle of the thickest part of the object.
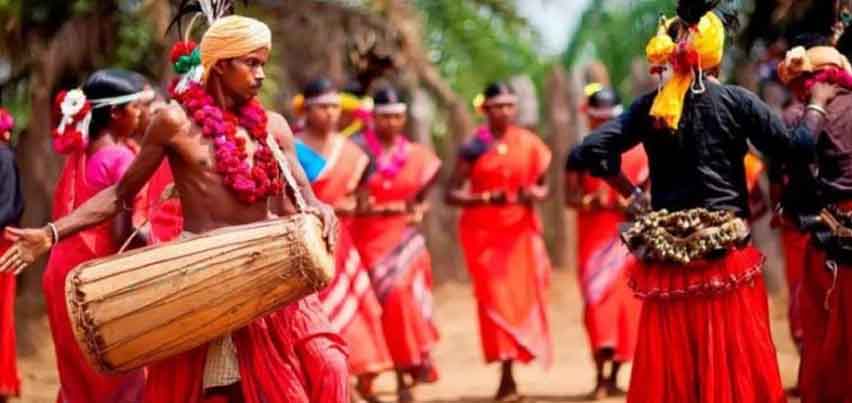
(691, 313)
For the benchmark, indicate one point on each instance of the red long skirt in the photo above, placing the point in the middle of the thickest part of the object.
(10, 384)
(795, 247)
(826, 372)
(704, 334)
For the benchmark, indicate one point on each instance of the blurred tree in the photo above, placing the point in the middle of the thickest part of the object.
(615, 33)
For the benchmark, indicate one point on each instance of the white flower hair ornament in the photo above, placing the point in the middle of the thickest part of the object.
(72, 133)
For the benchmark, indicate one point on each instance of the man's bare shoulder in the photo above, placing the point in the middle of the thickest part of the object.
(169, 121)
(278, 126)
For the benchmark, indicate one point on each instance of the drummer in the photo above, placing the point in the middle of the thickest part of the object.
(289, 356)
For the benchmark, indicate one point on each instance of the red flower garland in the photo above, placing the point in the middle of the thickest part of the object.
(251, 183)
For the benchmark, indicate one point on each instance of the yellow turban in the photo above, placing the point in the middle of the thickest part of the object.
(708, 40)
(230, 37)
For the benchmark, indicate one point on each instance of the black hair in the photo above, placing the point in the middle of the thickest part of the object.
(386, 96)
(318, 87)
(690, 12)
(604, 98)
(109, 83)
(810, 39)
(497, 88)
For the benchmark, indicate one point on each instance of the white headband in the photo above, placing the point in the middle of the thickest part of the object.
(329, 98)
(120, 100)
(605, 113)
(74, 102)
(501, 99)
(388, 109)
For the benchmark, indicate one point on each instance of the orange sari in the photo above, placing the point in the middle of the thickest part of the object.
(611, 312)
(399, 263)
(349, 300)
(506, 255)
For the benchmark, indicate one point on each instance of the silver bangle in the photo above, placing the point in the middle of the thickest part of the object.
(818, 109)
(54, 231)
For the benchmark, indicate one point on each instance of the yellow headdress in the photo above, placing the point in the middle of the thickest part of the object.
(702, 49)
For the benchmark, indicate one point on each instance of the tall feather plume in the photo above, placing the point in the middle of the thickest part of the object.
(691, 11)
(211, 9)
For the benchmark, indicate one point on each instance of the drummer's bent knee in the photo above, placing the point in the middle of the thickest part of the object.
(325, 361)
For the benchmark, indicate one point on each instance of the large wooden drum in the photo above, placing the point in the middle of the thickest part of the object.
(139, 307)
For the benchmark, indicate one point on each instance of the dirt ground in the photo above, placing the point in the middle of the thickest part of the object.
(464, 378)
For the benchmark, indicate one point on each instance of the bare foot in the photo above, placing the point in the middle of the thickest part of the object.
(404, 395)
(507, 392)
(599, 393)
(612, 390)
(364, 387)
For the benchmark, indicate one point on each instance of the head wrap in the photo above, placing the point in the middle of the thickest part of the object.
(702, 49)
(601, 102)
(230, 37)
(799, 62)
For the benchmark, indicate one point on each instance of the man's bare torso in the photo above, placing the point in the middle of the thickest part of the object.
(207, 202)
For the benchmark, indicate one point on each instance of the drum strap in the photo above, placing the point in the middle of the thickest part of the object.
(286, 172)
(283, 164)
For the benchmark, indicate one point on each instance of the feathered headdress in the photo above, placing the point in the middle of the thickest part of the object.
(192, 61)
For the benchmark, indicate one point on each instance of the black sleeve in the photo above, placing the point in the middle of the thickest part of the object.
(600, 152)
(11, 202)
(767, 131)
(471, 150)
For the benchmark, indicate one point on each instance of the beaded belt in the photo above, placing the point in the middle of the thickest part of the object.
(682, 237)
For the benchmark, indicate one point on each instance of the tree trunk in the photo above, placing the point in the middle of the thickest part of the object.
(563, 103)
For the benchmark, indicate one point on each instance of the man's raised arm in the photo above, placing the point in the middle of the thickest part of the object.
(31, 243)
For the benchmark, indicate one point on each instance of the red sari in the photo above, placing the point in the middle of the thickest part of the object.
(506, 255)
(80, 383)
(10, 384)
(704, 334)
(354, 310)
(400, 266)
(825, 375)
(611, 311)
(290, 356)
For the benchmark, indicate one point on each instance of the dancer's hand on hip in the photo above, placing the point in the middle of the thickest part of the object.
(29, 245)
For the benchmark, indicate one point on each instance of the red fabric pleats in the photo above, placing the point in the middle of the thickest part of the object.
(289, 356)
(704, 334)
(825, 375)
(407, 318)
(10, 384)
(795, 244)
(355, 312)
